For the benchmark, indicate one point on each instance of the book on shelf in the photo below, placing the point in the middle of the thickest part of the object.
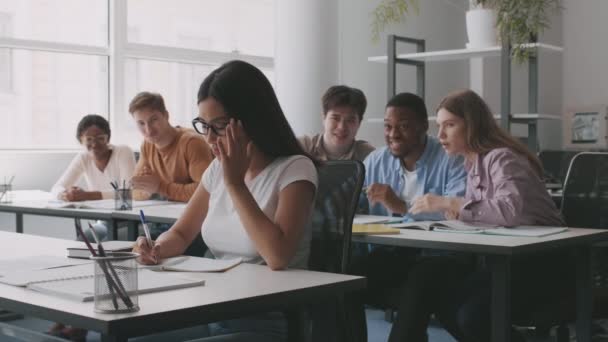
(83, 252)
(78, 282)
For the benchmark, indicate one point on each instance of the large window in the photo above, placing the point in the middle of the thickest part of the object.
(62, 59)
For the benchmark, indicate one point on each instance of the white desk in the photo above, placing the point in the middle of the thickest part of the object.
(498, 251)
(244, 290)
(35, 202)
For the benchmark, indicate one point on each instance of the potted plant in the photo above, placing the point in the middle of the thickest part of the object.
(519, 21)
(390, 12)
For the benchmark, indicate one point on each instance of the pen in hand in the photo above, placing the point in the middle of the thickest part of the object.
(142, 217)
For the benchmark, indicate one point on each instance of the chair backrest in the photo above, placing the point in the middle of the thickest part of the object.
(585, 194)
(555, 164)
(336, 201)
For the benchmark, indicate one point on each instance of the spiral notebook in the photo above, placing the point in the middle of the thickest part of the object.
(77, 282)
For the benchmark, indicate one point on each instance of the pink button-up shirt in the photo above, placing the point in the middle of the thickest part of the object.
(503, 189)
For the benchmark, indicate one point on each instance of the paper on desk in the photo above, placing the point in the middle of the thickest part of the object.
(367, 219)
(37, 262)
(195, 264)
(107, 204)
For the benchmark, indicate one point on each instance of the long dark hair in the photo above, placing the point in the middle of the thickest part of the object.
(247, 95)
(482, 132)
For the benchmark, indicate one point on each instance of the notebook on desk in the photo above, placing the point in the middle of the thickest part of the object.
(455, 226)
(78, 282)
(450, 225)
(83, 252)
(367, 219)
(194, 264)
(371, 229)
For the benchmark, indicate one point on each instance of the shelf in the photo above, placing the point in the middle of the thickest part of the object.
(516, 118)
(446, 55)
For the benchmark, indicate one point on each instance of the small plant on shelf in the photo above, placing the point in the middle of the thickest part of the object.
(520, 21)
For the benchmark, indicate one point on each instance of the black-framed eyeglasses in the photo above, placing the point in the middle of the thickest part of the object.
(202, 127)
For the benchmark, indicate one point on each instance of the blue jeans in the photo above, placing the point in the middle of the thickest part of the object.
(266, 327)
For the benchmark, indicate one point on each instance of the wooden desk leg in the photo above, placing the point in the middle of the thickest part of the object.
(584, 294)
(110, 338)
(500, 266)
(19, 223)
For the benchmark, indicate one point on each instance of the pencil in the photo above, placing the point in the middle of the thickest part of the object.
(109, 278)
(102, 253)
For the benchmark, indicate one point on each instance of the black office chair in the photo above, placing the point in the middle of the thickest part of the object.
(555, 164)
(584, 203)
(336, 201)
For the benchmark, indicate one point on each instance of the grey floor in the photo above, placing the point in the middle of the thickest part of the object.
(378, 330)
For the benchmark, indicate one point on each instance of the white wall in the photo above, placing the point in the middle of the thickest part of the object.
(585, 65)
(36, 170)
(440, 23)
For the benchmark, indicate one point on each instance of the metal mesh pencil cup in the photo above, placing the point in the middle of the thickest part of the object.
(116, 283)
(5, 193)
(123, 199)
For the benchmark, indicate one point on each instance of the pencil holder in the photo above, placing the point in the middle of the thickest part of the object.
(116, 283)
(6, 193)
(123, 199)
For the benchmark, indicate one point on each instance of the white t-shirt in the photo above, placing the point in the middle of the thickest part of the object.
(410, 188)
(120, 167)
(222, 229)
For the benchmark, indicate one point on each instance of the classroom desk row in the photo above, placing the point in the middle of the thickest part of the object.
(244, 290)
(498, 250)
(36, 202)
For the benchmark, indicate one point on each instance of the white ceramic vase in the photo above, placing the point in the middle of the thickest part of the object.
(481, 28)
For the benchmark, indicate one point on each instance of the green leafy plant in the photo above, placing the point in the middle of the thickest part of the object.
(390, 12)
(520, 21)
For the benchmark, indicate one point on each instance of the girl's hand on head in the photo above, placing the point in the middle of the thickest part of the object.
(235, 153)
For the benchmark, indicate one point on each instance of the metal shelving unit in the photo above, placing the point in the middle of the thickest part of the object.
(421, 57)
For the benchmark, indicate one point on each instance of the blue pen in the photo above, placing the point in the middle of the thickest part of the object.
(142, 217)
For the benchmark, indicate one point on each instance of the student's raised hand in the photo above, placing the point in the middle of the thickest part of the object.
(384, 194)
(147, 255)
(149, 183)
(235, 153)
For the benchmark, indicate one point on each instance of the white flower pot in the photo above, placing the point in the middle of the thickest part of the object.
(481, 28)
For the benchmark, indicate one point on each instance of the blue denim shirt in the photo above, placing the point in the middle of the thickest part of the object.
(436, 172)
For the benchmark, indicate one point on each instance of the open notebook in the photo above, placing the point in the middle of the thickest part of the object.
(77, 282)
(454, 226)
(194, 264)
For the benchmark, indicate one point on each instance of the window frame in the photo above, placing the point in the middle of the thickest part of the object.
(118, 50)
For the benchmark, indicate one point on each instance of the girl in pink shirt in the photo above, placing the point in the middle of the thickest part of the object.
(504, 188)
